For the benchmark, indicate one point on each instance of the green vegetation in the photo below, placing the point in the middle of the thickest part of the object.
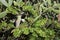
(29, 20)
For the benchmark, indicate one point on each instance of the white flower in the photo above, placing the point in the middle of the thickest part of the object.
(23, 20)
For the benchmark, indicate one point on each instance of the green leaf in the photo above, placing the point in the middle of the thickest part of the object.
(28, 8)
(34, 34)
(10, 2)
(25, 31)
(4, 24)
(16, 32)
(40, 32)
(4, 2)
(57, 25)
(36, 18)
(12, 10)
(49, 2)
(31, 30)
(3, 14)
(40, 22)
(50, 33)
(19, 4)
(32, 38)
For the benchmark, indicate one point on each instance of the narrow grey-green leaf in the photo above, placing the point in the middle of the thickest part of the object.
(4, 3)
(10, 2)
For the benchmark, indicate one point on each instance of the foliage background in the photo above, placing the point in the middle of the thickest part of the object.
(42, 19)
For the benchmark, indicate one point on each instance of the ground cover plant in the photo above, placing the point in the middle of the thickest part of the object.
(29, 19)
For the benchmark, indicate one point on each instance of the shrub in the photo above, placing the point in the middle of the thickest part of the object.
(29, 19)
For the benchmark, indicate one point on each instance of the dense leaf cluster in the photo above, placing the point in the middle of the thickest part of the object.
(29, 20)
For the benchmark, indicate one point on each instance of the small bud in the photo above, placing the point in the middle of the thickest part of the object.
(18, 20)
